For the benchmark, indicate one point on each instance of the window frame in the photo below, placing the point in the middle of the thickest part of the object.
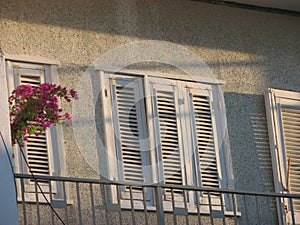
(54, 134)
(224, 164)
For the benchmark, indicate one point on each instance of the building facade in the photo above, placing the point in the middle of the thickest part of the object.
(162, 66)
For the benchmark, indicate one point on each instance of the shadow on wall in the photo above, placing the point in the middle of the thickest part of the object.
(183, 22)
(248, 132)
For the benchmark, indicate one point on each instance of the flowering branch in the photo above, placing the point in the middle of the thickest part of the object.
(34, 109)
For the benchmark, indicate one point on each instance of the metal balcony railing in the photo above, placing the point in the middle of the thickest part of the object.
(92, 201)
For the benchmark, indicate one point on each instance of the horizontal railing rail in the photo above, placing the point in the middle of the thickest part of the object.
(183, 187)
(100, 201)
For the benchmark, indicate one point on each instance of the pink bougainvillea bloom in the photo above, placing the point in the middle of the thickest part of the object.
(68, 116)
(34, 109)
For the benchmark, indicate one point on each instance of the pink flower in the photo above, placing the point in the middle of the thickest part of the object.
(68, 116)
(34, 109)
(74, 94)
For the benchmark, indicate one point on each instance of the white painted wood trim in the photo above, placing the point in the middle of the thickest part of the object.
(225, 158)
(183, 77)
(31, 59)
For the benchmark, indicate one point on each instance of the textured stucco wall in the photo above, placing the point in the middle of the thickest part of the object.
(250, 50)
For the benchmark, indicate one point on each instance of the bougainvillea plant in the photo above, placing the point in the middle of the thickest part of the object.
(34, 109)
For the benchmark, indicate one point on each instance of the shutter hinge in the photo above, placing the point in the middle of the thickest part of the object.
(105, 92)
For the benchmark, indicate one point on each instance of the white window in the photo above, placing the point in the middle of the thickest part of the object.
(44, 154)
(283, 111)
(161, 129)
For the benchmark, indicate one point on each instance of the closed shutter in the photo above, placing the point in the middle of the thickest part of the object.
(283, 111)
(168, 131)
(45, 154)
(291, 130)
(205, 141)
(205, 144)
(178, 126)
(129, 126)
(36, 148)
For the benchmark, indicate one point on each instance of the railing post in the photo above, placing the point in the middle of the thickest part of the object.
(8, 203)
(159, 205)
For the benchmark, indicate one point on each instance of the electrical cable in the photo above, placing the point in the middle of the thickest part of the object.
(36, 181)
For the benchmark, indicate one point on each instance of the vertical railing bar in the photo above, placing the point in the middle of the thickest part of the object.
(132, 205)
(119, 202)
(159, 205)
(93, 203)
(292, 210)
(102, 186)
(234, 208)
(23, 201)
(269, 208)
(257, 209)
(280, 200)
(50, 194)
(210, 209)
(246, 208)
(173, 207)
(145, 205)
(37, 202)
(78, 202)
(185, 205)
(269, 204)
(198, 207)
(222, 208)
(66, 200)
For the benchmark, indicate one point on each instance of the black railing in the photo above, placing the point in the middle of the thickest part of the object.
(92, 201)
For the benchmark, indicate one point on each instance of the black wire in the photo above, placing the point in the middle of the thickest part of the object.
(10, 162)
(36, 181)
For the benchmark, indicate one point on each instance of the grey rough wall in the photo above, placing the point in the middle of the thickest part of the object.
(250, 50)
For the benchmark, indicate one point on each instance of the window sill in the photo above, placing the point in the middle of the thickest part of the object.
(191, 210)
(55, 203)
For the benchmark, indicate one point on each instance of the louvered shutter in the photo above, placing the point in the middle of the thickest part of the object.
(203, 123)
(130, 129)
(291, 131)
(37, 148)
(205, 141)
(168, 136)
(283, 111)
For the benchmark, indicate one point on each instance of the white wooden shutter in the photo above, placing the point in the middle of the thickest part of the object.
(168, 136)
(175, 117)
(205, 140)
(291, 134)
(36, 148)
(130, 129)
(283, 111)
(204, 133)
(45, 154)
